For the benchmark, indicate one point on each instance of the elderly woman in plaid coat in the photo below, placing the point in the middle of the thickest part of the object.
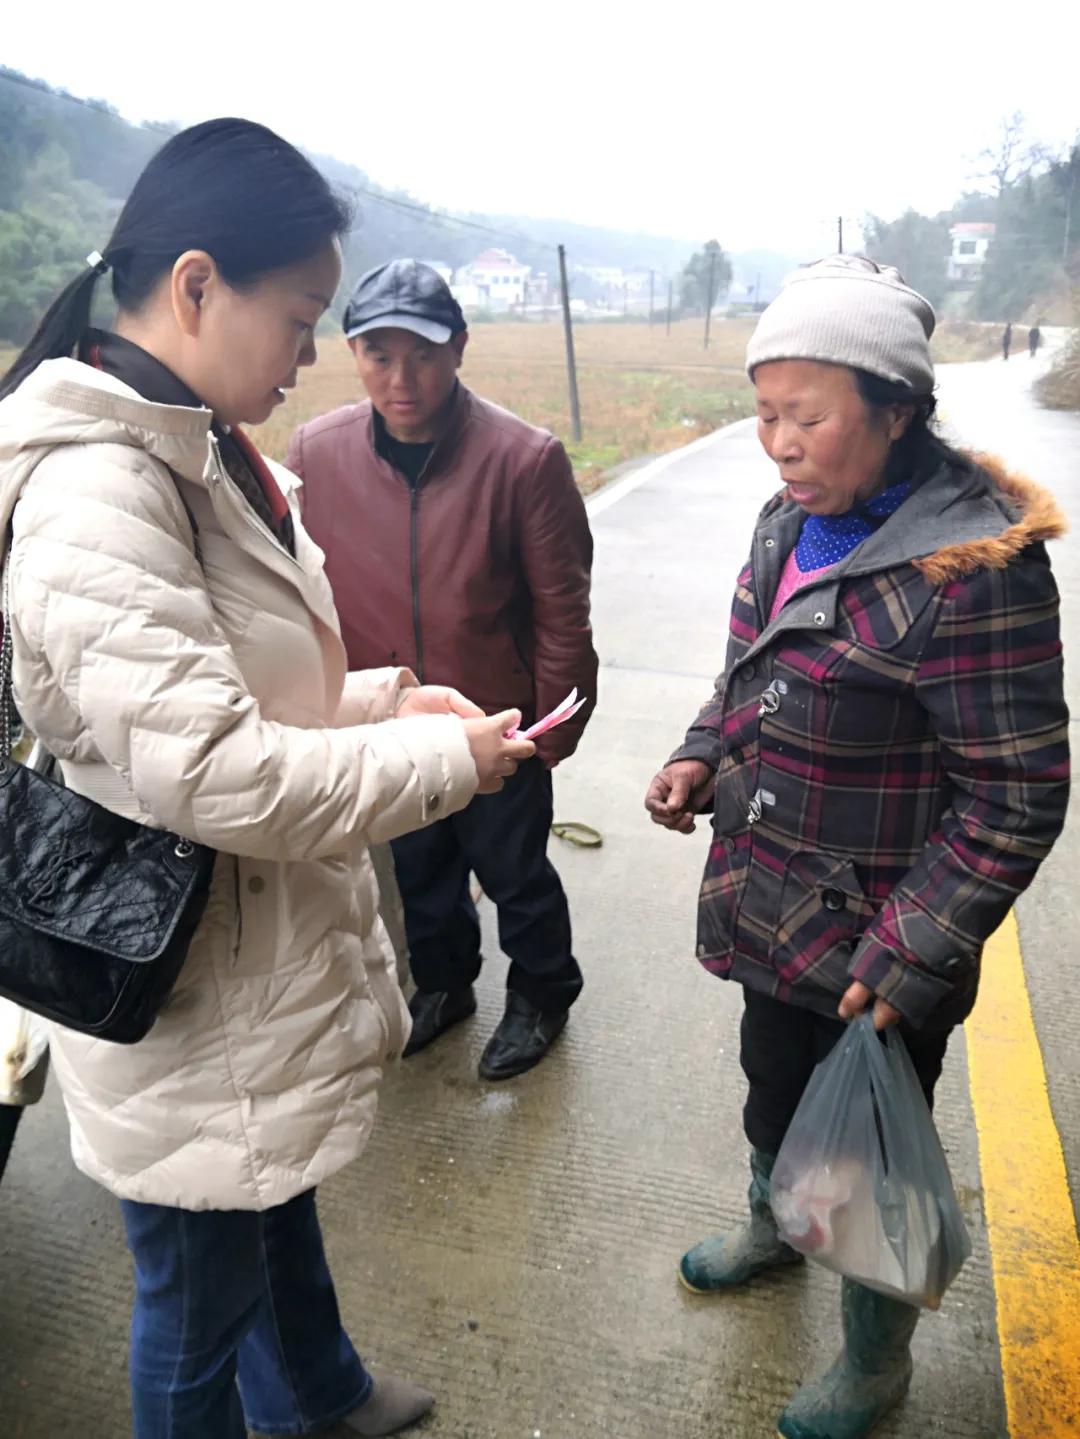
(885, 757)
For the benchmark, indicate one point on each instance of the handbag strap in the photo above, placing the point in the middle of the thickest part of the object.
(7, 698)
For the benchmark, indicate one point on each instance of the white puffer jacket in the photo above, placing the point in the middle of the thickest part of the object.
(214, 702)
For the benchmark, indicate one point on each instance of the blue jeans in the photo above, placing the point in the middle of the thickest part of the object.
(236, 1324)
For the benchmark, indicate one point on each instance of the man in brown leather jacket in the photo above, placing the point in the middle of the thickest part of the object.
(457, 544)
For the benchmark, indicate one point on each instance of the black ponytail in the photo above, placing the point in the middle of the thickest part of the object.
(229, 187)
(59, 332)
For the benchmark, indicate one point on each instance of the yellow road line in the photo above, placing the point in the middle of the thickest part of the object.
(1029, 1214)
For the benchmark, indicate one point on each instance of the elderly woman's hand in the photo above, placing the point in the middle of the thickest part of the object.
(678, 793)
(857, 996)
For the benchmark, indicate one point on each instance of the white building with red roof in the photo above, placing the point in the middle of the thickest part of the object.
(495, 280)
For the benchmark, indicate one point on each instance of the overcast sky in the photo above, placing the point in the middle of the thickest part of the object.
(757, 124)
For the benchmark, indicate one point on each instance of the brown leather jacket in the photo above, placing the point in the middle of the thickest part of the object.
(477, 577)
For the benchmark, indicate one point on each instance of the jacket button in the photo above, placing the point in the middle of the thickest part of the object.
(834, 899)
(729, 844)
(433, 803)
(770, 544)
(256, 884)
(749, 671)
(819, 618)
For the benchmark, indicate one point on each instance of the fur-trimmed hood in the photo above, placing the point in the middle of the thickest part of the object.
(1033, 513)
(965, 518)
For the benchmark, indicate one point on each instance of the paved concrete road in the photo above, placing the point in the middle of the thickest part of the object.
(514, 1247)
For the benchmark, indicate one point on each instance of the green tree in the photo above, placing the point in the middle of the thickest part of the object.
(917, 245)
(1033, 261)
(709, 266)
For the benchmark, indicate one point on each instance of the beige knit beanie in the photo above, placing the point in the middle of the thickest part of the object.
(848, 310)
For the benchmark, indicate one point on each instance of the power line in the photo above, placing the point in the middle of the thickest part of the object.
(441, 216)
(99, 107)
(434, 217)
(444, 217)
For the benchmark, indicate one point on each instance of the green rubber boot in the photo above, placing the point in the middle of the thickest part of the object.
(870, 1377)
(729, 1259)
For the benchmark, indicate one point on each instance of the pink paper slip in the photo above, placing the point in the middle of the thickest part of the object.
(569, 707)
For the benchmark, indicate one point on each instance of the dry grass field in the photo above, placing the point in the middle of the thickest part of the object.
(643, 392)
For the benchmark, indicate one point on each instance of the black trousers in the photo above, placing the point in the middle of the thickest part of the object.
(502, 839)
(10, 1114)
(780, 1044)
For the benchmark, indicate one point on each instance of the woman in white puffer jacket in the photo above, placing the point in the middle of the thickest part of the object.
(176, 649)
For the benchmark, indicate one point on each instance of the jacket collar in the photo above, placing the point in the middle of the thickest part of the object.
(961, 520)
(979, 516)
(136, 367)
(66, 402)
(457, 418)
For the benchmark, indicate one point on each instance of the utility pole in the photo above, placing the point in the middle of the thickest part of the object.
(669, 290)
(709, 297)
(571, 364)
(652, 287)
(840, 234)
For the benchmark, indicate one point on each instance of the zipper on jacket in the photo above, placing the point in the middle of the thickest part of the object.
(237, 943)
(414, 539)
(414, 559)
(226, 482)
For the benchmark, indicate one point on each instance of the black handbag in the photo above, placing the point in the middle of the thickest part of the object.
(96, 911)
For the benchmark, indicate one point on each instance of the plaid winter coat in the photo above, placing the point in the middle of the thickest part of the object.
(891, 752)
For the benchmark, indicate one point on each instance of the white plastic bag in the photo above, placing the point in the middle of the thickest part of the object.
(861, 1183)
(24, 1057)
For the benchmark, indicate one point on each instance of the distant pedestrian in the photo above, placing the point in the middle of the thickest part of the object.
(1006, 341)
(1034, 340)
(456, 542)
(885, 758)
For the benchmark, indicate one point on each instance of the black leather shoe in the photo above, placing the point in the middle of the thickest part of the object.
(524, 1036)
(433, 1014)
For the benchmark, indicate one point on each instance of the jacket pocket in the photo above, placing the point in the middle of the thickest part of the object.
(718, 902)
(822, 912)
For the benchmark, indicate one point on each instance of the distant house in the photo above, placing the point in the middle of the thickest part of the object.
(971, 240)
(444, 270)
(494, 280)
(614, 288)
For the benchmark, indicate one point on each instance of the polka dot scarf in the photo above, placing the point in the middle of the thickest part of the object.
(826, 539)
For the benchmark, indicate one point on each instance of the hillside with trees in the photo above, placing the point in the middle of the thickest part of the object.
(1032, 269)
(67, 164)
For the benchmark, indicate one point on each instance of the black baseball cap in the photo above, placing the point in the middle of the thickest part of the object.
(404, 295)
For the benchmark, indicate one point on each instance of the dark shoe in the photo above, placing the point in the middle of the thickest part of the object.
(729, 1259)
(870, 1377)
(392, 1405)
(524, 1036)
(433, 1014)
